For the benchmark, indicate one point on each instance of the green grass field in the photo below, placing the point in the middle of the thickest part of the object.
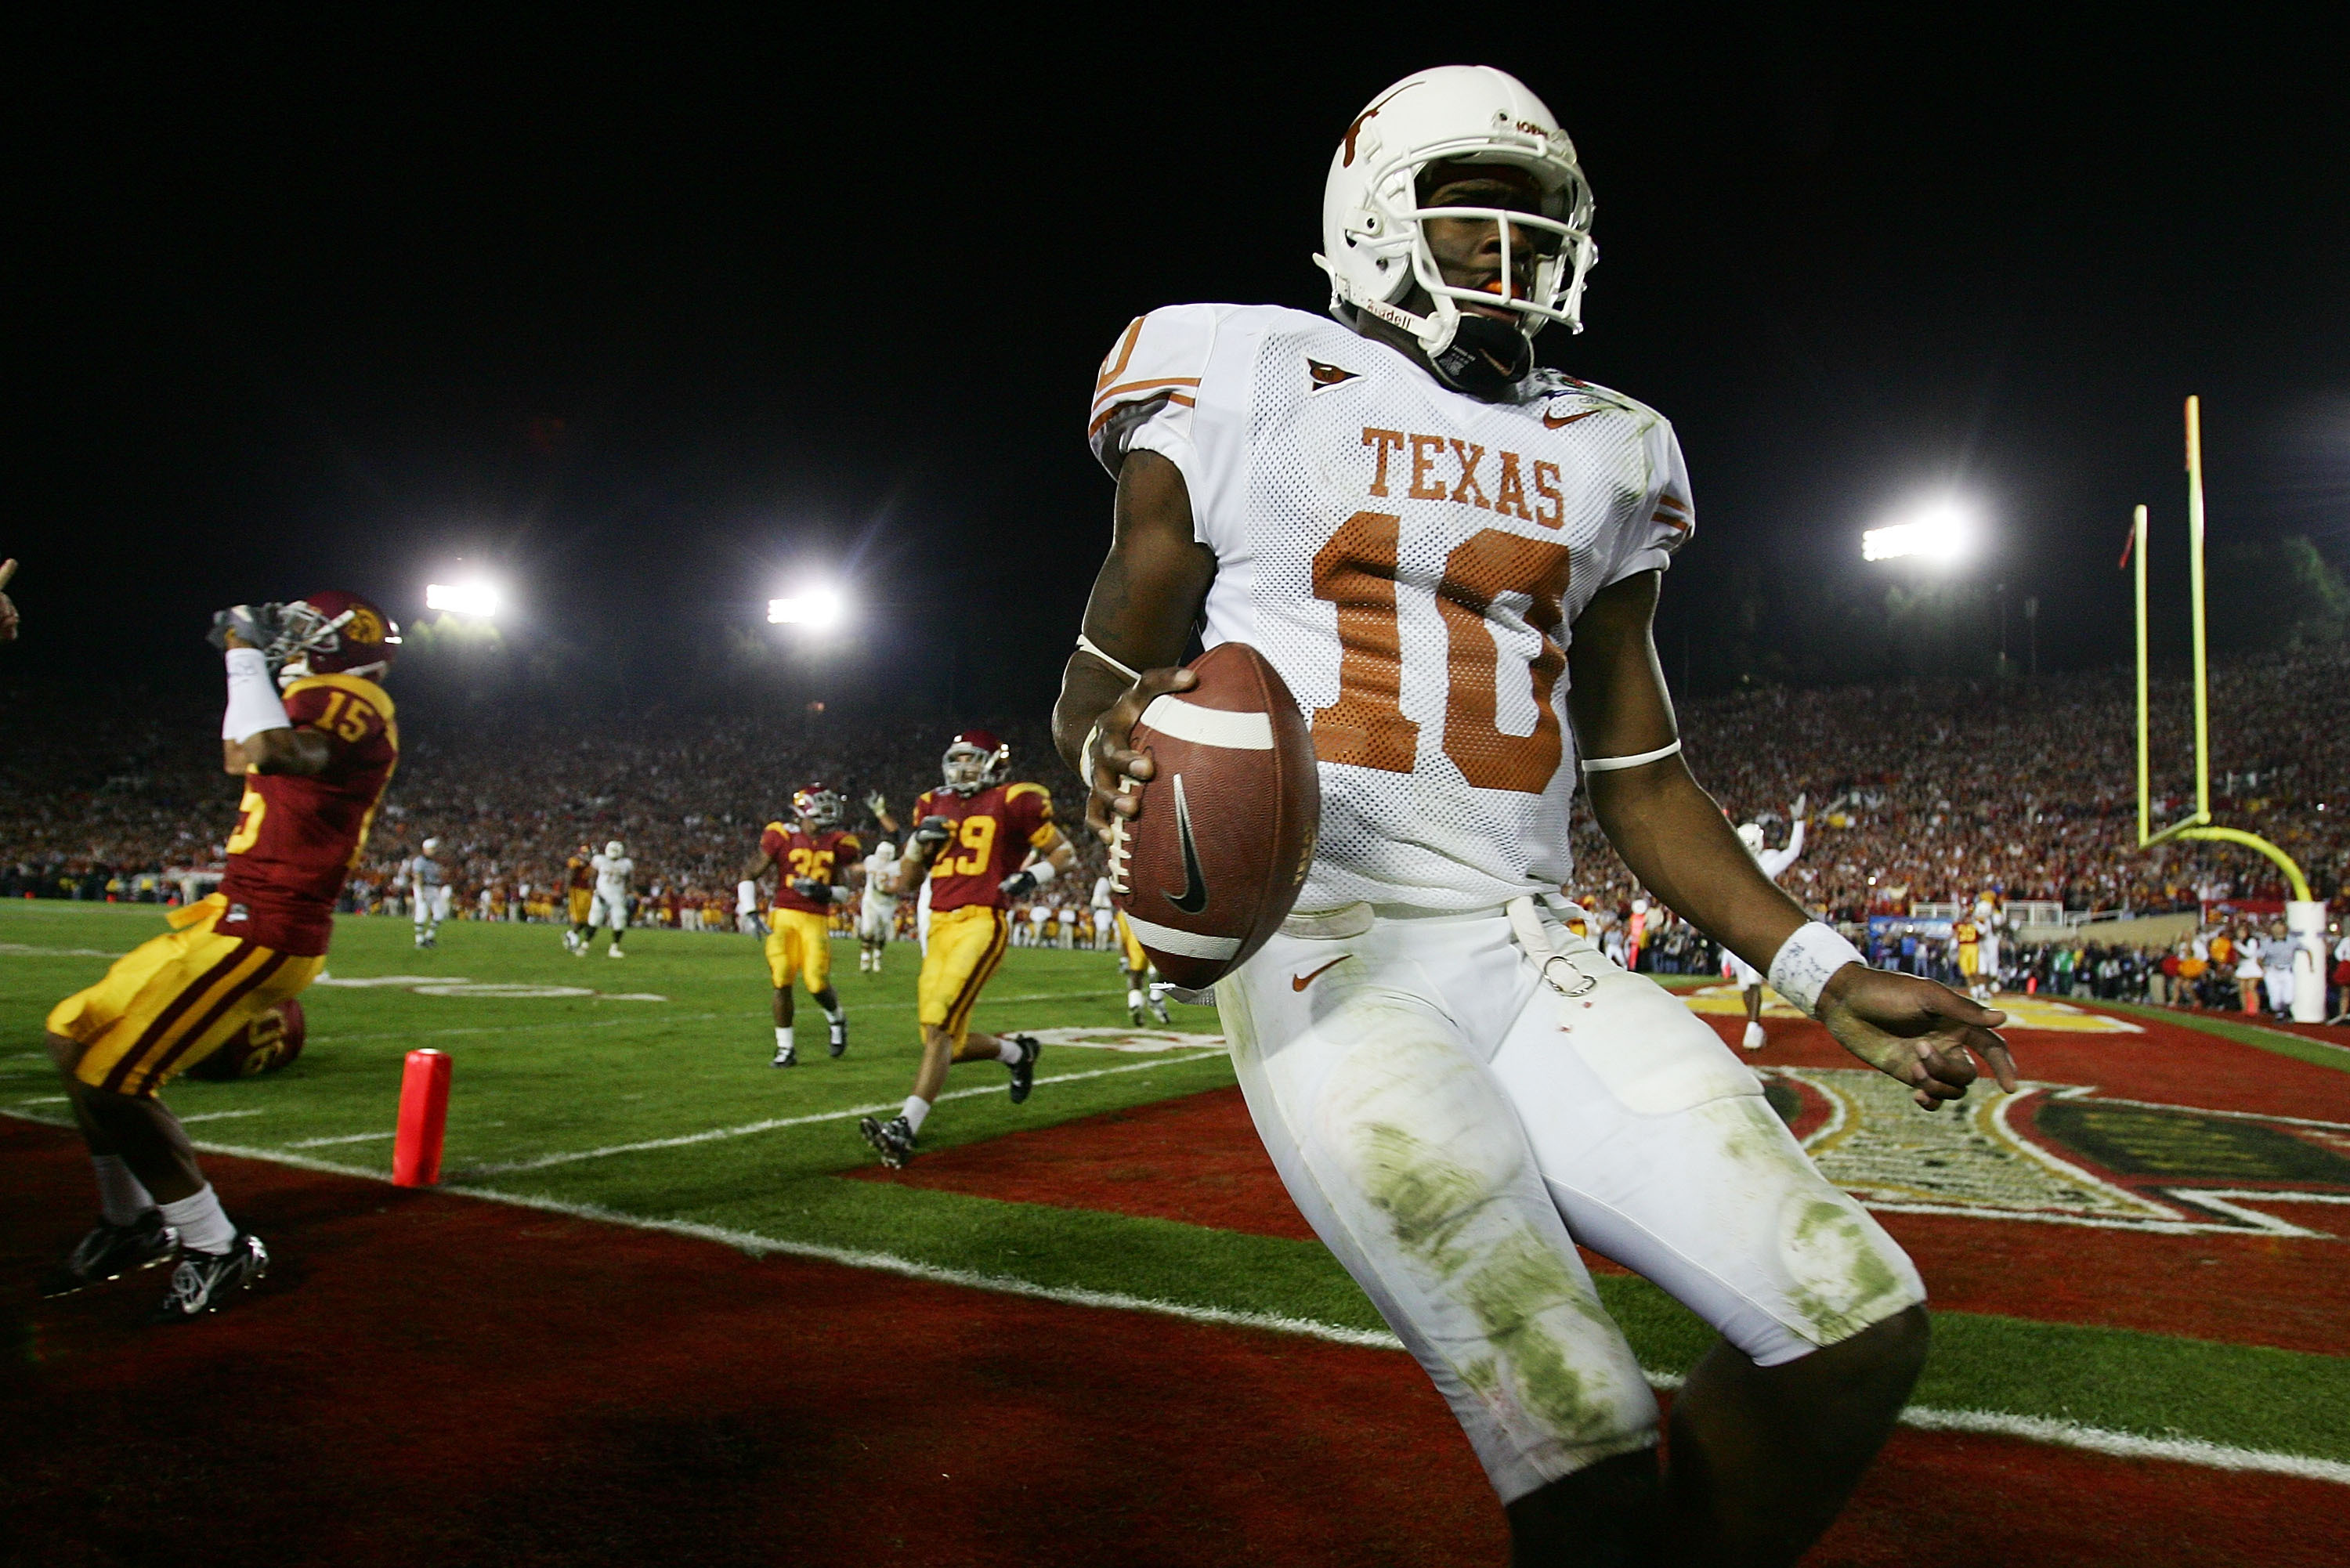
(665, 1111)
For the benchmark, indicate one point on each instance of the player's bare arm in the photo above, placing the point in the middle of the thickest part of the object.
(1146, 598)
(8, 608)
(1673, 837)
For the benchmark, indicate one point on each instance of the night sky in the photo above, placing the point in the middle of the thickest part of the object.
(650, 322)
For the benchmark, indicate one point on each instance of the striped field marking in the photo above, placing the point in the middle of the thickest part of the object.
(1923, 1418)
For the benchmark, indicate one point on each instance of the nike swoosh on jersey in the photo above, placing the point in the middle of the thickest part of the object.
(1553, 421)
(1194, 896)
(1300, 981)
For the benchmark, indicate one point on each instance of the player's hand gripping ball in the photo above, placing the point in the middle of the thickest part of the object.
(267, 1044)
(1210, 806)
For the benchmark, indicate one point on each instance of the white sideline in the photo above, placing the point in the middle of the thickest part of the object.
(1924, 1417)
(569, 1156)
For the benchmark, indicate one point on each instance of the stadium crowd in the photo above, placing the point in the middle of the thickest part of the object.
(1917, 793)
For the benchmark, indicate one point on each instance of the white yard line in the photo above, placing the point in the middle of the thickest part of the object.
(222, 1115)
(747, 1129)
(347, 1137)
(1925, 1417)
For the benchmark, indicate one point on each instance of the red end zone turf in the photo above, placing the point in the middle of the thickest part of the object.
(1198, 1161)
(430, 1379)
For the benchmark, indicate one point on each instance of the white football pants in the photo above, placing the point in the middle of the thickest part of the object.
(1450, 1124)
(608, 909)
(876, 921)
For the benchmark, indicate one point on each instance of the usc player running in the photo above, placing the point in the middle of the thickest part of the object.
(970, 838)
(812, 858)
(315, 763)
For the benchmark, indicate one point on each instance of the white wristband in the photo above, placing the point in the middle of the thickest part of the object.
(1085, 754)
(253, 704)
(1044, 871)
(1806, 960)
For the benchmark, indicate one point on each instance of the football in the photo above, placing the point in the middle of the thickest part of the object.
(1207, 870)
(264, 1045)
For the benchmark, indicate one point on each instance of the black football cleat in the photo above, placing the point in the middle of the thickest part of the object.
(111, 1252)
(893, 1140)
(1024, 1072)
(1134, 1014)
(839, 1034)
(204, 1282)
(785, 1057)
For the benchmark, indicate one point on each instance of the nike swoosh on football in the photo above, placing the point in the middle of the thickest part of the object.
(1300, 981)
(1552, 423)
(1194, 896)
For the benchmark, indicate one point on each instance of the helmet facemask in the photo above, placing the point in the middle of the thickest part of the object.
(973, 761)
(817, 808)
(1375, 213)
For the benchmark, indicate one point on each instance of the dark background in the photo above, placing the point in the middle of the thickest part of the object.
(650, 321)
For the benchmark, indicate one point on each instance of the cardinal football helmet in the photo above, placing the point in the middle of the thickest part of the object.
(816, 805)
(975, 759)
(1371, 213)
(333, 633)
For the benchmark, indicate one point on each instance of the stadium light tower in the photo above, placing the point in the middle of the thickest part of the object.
(818, 609)
(474, 598)
(1943, 531)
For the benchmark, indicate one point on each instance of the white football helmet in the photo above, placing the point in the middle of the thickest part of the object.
(1750, 834)
(430, 844)
(1371, 216)
(886, 850)
(613, 849)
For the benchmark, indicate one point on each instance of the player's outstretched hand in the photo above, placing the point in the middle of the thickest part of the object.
(7, 609)
(1913, 1029)
(1114, 756)
(245, 626)
(876, 804)
(1795, 812)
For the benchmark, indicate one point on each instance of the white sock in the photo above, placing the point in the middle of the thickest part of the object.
(1009, 1054)
(915, 1109)
(835, 1011)
(1133, 997)
(119, 1196)
(202, 1224)
(782, 1038)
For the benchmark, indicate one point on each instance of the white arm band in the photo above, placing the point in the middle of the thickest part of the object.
(1044, 871)
(1087, 645)
(1806, 960)
(1085, 756)
(253, 704)
(1640, 759)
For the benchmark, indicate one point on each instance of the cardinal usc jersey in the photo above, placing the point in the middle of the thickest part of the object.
(993, 831)
(577, 873)
(822, 855)
(297, 837)
(1410, 559)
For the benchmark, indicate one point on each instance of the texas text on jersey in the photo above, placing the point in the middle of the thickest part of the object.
(994, 830)
(298, 836)
(1453, 542)
(817, 857)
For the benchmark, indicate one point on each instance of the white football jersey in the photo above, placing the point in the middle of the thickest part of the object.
(1774, 862)
(611, 873)
(881, 877)
(424, 872)
(1409, 559)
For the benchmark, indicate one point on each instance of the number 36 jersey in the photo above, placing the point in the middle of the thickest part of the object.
(1410, 559)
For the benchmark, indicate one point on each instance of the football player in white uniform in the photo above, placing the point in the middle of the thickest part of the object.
(428, 894)
(1423, 531)
(610, 906)
(876, 915)
(1774, 864)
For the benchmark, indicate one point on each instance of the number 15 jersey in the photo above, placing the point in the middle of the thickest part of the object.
(1410, 559)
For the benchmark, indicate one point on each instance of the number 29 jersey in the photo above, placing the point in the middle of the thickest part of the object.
(1410, 559)
(993, 831)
